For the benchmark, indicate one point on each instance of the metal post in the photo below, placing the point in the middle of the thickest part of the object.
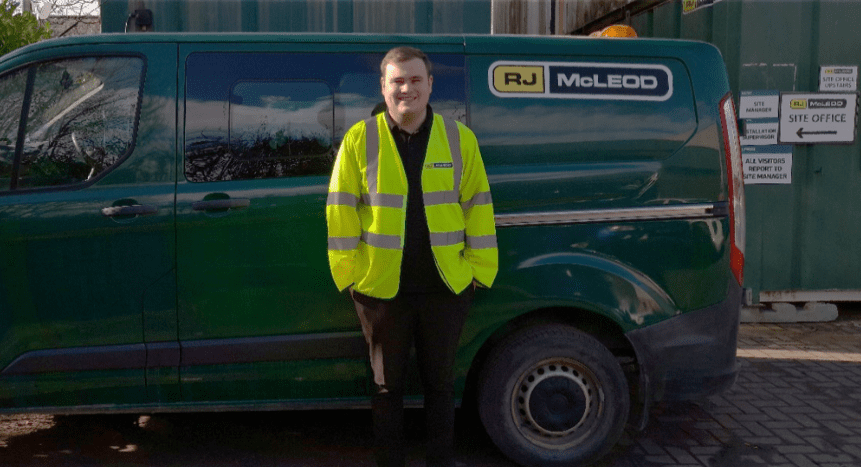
(493, 16)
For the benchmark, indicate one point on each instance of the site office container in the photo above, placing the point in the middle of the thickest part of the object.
(164, 242)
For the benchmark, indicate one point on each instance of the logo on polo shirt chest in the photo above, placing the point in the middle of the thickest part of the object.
(439, 165)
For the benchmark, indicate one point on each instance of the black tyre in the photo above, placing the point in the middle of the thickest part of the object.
(552, 395)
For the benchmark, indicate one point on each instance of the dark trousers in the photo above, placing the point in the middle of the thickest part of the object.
(433, 323)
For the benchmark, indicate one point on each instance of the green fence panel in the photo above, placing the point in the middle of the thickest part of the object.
(801, 236)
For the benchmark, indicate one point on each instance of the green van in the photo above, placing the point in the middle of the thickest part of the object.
(164, 244)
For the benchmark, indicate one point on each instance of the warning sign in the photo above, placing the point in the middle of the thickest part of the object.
(767, 164)
(817, 118)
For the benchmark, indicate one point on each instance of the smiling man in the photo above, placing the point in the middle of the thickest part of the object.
(406, 87)
(411, 234)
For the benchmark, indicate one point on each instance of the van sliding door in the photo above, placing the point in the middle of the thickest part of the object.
(259, 315)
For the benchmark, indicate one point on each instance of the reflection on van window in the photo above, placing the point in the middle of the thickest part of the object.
(266, 115)
(11, 97)
(276, 129)
(81, 119)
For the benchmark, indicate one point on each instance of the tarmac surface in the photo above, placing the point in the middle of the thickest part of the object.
(797, 403)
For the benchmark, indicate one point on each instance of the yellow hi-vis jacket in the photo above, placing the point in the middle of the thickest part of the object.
(366, 209)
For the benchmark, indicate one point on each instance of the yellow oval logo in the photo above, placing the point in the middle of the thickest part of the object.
(798, 104)
(515, 78)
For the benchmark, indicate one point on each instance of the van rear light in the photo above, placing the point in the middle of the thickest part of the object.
(732, 149)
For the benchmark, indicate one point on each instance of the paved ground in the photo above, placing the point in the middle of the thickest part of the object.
(797, 403)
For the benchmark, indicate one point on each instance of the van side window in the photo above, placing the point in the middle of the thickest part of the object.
(12, 88)
(276, 129)
(81, 119)
(272, 115)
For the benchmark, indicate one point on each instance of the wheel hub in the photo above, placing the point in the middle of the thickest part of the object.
(554, 399)
(557, 404)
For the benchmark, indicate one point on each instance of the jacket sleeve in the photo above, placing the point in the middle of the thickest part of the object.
(342, 217)
(481, 249)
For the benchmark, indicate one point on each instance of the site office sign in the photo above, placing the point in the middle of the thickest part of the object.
(811, 118)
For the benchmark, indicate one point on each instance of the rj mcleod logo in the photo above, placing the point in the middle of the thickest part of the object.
(612, 81)
(519, 79)
(839, 71)
(798, 104)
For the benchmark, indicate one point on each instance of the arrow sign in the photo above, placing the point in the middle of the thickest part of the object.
(817, 118)
(801, 133)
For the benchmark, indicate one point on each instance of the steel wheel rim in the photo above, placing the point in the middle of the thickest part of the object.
(565, 373)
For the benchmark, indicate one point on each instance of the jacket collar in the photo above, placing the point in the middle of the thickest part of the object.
(425, 126)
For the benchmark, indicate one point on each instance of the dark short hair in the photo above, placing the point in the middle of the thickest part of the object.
(403, 54)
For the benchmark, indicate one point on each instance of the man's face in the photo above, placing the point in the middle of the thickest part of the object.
(406, 88)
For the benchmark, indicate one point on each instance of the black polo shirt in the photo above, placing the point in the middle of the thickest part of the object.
(419, 273)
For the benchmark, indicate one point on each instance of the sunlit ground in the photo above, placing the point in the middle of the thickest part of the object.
(798, 390)
(836, 341)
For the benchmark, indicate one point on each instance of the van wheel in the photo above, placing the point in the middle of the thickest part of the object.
(552, 395)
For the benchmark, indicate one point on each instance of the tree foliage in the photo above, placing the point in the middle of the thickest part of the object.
(18, 30)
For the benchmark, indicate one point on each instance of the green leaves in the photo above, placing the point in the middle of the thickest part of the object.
(19, 30)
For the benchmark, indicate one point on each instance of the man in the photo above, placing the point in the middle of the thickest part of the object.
(411, 233)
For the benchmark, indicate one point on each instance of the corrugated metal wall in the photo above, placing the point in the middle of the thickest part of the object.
(547, 17)
(543, 17)
(381, 16)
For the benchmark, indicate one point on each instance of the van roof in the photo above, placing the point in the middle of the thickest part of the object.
(526, 44)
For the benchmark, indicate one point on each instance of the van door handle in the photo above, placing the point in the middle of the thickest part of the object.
(213, 204)
(130, 210)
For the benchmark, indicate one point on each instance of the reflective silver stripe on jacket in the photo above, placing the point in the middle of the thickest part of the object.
(446, 238)
(342, 198)
(479, 199)
(481, 241)
(440, 197)
(455, 237)
(383, 200)
(372, 153)
(343, 243)
(453, 134)
(449, 197)
(392, 242)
